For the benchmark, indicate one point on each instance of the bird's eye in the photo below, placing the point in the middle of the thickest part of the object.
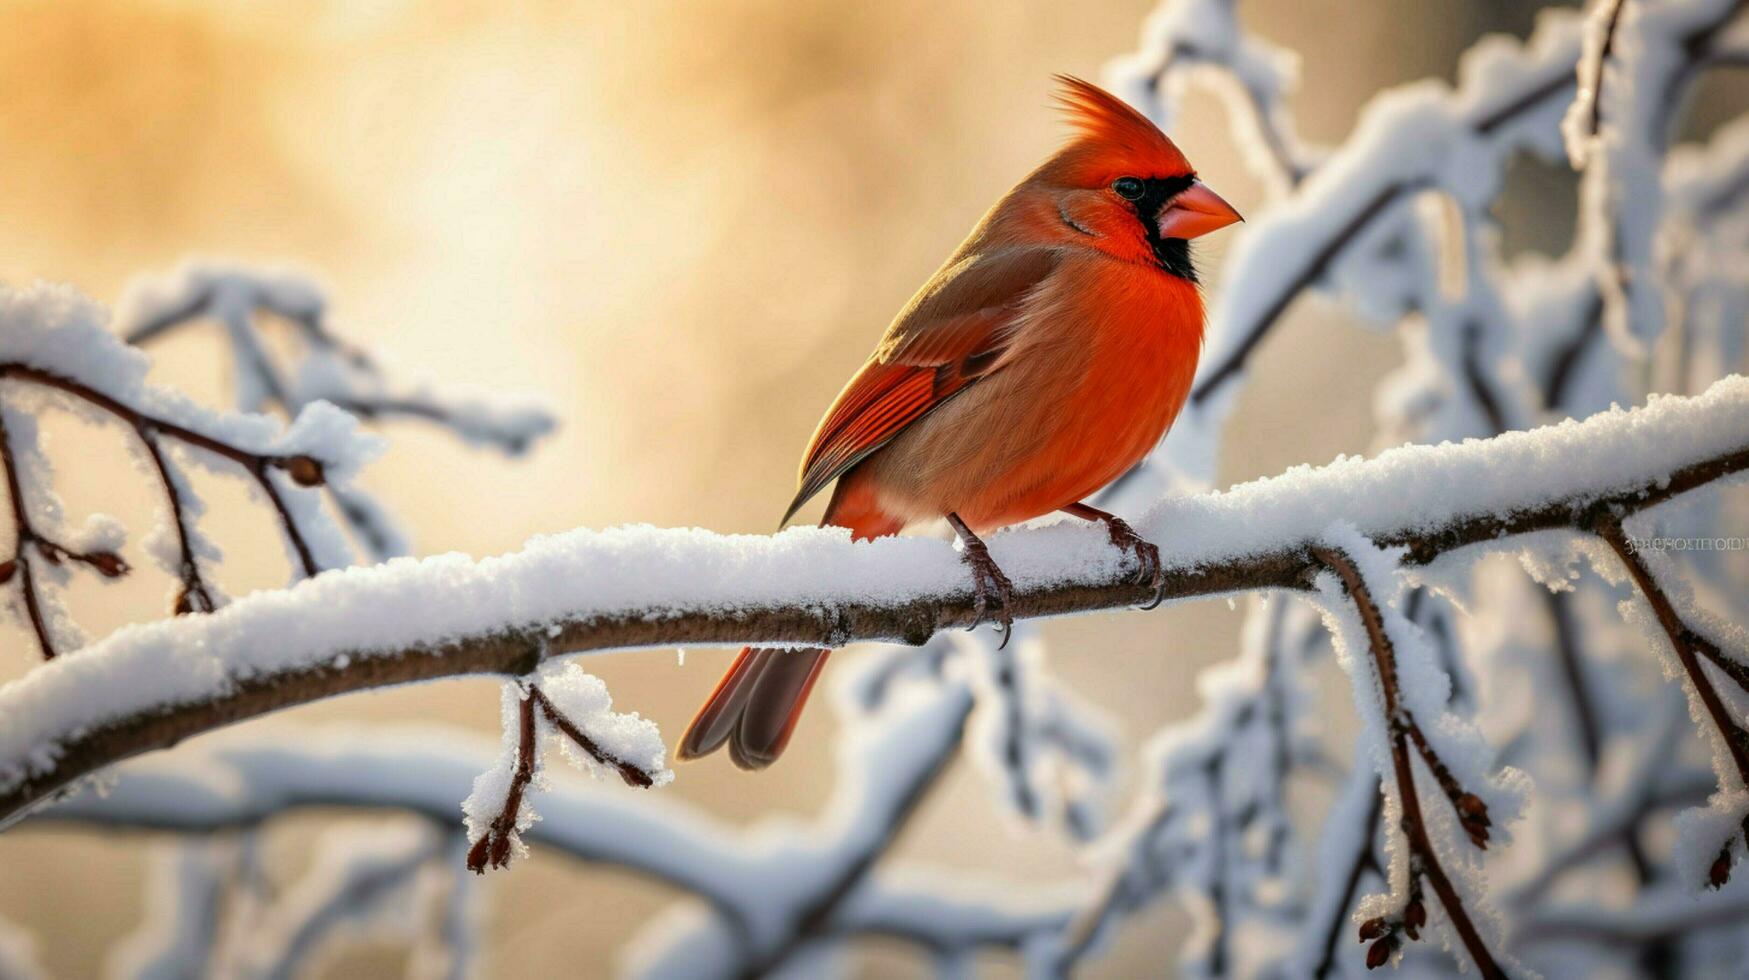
(1129, 188)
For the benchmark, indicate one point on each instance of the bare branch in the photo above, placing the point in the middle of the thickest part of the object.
(304, 470)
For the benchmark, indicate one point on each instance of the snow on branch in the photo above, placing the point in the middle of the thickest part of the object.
(1201, 41)
(574, 709)
(1349, 225)
(774, 894)
(1557, 678)
(1639, 60)
(327, 369)
(633, 587)
(1352, 206)
(53, 349)
(1492, 344)
(1384, 691)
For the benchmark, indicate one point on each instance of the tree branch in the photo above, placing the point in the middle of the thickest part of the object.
(27, 538)
(494, 847)
(1424, 861)
(238, 783)
(304, 470)
(631, 774)
(1363, 859)
(1687, 645)
(277, 650)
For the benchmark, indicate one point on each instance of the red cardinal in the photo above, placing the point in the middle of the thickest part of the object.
(1046, 357)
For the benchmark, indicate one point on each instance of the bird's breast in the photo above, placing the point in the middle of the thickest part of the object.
(1100, 367)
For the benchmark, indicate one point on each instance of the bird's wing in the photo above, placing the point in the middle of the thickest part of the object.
(954, 332)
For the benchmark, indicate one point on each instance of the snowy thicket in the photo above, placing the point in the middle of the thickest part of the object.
(1537, 761)
(1600, 741)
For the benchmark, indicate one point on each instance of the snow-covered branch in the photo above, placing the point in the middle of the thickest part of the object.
(570, 707)
(53, 349)
(326, 369)
(1353, 203)
(775, 893)
(1384, 633)
(636, 587)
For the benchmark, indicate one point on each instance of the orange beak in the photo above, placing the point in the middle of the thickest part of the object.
(1195, 212)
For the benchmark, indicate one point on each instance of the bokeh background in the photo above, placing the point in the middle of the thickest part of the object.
(684, 225)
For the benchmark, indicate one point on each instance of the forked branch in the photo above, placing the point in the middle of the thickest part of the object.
(1689, 647)
(536, 715)
(195, 595)
(1424, 860)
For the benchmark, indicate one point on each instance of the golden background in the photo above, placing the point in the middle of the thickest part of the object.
(684, 225)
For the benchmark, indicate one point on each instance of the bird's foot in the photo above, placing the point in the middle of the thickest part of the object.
(1148, 565)
(989, 583)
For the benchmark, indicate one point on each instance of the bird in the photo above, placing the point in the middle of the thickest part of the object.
(1047, 356)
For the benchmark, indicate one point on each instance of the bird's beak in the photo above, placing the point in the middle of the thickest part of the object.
(1195, 212)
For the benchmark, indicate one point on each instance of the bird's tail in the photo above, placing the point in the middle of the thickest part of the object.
(756, 705)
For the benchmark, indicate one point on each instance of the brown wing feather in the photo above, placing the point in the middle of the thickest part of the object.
(952, 333)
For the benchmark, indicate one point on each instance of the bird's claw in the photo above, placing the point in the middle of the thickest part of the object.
(989, 580)
(1149, 568)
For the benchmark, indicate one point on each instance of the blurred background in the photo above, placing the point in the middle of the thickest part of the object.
(684, 226)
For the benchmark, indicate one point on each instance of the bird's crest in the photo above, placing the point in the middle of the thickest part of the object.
(1117, 134)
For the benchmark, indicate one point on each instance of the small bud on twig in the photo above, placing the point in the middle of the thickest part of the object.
(477, 855)
(305, 471)
(1720, 872)
(7, 568)
(1472, 808)
(1373, 928)
(1473, 814)
(108, 563)
(1379, 953)
(1414, 917)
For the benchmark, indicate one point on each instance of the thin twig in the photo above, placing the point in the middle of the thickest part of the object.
(1684, 641)
(23, 536)
(633, 774)
(1363, 858)
(1414, 826)
(1567, 654)
(27, 538)
(195, 595)
(1595, 123)
(257, 465)
(493, 847)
